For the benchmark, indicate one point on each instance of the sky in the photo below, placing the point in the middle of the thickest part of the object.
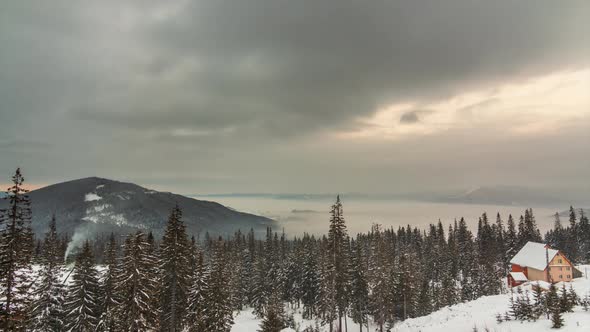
(218, 96)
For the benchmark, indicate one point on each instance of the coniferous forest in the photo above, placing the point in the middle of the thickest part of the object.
(185, 282)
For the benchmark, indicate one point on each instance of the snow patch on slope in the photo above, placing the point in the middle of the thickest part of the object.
(90, 197)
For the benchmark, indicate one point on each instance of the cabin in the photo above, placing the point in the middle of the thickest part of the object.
(539, 262)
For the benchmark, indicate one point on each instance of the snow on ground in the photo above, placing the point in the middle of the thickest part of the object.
(246, 321)
(463, 317)
(481, 313)
(92, 197)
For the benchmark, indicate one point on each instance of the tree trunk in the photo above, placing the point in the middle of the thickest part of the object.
(345, 324)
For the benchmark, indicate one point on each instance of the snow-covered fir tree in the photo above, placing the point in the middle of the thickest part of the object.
(359, 288)
(16, 251)
(135, 287)
(109, 296)
(274, 318)
(175, 272)
(82, 304)
(197, 302)
(218, 313)
(310, 279)
(47, 312)
(337, 261)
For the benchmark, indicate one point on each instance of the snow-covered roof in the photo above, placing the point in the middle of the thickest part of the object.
(518, 276)
(533, 255)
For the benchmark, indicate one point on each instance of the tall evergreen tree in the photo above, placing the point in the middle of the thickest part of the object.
(47, 307)
(16, 251)
(82, 300)
(310, 283)
(511, 238)
(218, 313)
(381, 302)
(359, 288)
(274, 319)
(338, 253)
(197, 302)
(109, 299)
(175, 268)
(135, 287)
(584, 238)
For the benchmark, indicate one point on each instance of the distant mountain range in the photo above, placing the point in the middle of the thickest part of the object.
(94, 205)
(484, 195)
(504, 195)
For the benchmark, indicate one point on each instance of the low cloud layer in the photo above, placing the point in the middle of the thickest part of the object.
(254, 95)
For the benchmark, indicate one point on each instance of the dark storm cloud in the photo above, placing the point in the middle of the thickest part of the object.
(414, 116)
(269, 64)
(219, 75)
(409, 117)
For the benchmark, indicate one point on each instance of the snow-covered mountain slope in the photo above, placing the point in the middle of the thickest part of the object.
(102, 205)
(481, 313)
(463, 317)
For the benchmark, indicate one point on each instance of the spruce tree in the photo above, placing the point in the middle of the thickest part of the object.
(511, 238)
(556, 319)
(109, 298)
(16, 251)
(338, 260)
(274, 319)
(381, 302)
(551, 299)
(540, 306)
(175, 272)
(197, 302)
(218, 313)
(566, 302)
(82, 300)
(572, 244)
(310, 283)
(135, 287)
(47, 312)
(584, 238)
(327, 307)
(359, 287)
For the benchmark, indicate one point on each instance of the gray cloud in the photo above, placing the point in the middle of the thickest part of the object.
(409, 117)
(214, 78)
(414, 116)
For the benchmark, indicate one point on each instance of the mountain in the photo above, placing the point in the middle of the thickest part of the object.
(94, 204)
(506, 195)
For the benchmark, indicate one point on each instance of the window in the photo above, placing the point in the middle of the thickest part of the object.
(569, 276)
(560, 268)
(560, 261)
(561, 276)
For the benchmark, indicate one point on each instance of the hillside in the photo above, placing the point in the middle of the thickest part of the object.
(102, 205)
(462, 317)
(481, 314)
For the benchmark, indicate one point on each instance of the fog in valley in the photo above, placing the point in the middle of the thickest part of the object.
(298, 216)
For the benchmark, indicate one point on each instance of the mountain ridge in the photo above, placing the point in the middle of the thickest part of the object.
(96, 205)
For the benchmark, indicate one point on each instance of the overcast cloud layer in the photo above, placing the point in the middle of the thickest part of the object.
(297, 96)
